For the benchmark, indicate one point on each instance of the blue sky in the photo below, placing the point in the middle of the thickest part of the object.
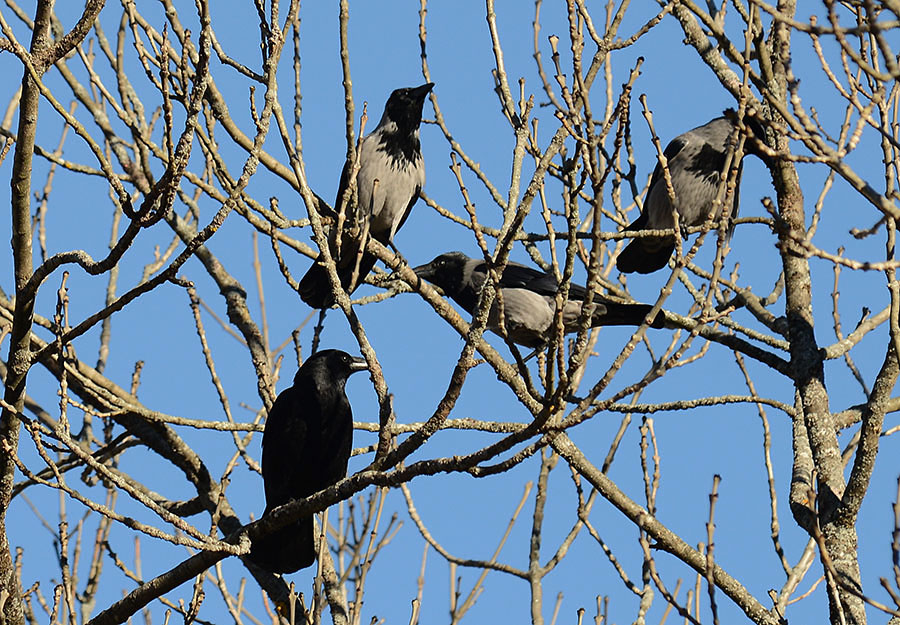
(417, 349)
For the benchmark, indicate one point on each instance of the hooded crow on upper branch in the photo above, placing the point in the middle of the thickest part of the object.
(695, 162)
(529, 299)
(391, 174)
(306, 446)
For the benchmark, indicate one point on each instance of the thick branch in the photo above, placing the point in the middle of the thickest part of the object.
(18, 362)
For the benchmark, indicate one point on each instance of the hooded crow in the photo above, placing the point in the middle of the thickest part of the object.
(695, 161)
(391, 174)
(529, 299)
(306, 446)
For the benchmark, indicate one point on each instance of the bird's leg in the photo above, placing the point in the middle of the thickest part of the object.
(394, 276)
(532, 353)
(517, 356)
(393, 248)
(522, 366)
(678, 225)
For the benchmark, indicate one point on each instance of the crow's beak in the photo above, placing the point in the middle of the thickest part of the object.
(358, 364)
(424, 271)
(424, 90)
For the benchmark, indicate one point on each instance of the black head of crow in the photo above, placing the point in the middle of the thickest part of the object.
(447, 271)
(401, 120)
(306, 446)
(528, 299)
(391, 174)
(696, 160)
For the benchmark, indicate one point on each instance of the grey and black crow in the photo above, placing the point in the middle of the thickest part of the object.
(391, 174)
(529, 299)
(695, 161)
(306, 446)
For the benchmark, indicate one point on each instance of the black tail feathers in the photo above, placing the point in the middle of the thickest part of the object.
(286, 550)
(642, 256)
(628, 315)
(315, 287)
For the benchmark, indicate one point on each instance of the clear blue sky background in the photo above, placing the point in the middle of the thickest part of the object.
(417, 349)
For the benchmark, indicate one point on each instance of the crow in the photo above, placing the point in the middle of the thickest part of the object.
(391, 174)
(529, 299)
(695, 161)
(306, 446)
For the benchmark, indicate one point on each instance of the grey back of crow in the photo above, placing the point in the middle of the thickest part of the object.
(695, 162)
(391, 174)
(529, 299)
(306, 446)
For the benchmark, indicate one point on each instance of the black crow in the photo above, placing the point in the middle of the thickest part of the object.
(529, 299)
(306, 445)
(391, 174)
(695, 161)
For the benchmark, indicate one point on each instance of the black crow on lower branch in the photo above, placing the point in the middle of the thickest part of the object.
(529, 299)
(391, 174)
(306, 446)
(695, 162)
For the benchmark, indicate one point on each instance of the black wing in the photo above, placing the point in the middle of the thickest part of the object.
(320, 459)
(334, 445)
(517, 276)
(284, 447)
(412, 202)
(672, 150)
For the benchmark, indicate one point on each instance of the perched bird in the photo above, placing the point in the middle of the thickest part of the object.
(529, 299)
(306, 445)
(695, 161)
(391, 174)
